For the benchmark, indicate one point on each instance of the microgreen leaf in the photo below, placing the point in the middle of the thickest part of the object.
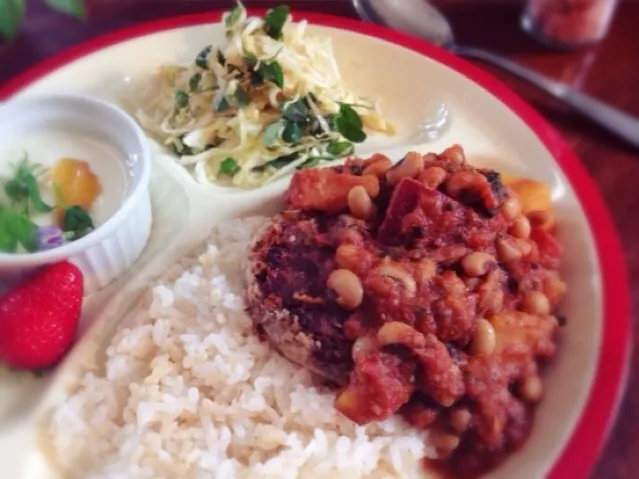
(250, 59)
(181, 98)
(194, 82)
(272, 72)
(202, 59)
(296, 111)
(16, 228)
(256, 76)
(23, 188)
(340, 148)
(77, 220)
(8, 242)
(231, 17)
(15, 190)
(24, 230)
(292, 132)
(347, 112)
(274, 21)
(350, 131)
(241, 97)
(272, 133)
(282, 161)
(34, 195)
(349, 124)
(267, 71)
(229, 166)
(12, 16)
(312, 161)
(277, 76)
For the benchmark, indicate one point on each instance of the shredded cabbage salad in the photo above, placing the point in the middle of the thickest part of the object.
(267, 102)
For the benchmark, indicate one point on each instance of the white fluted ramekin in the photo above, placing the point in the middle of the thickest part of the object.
(115, 245)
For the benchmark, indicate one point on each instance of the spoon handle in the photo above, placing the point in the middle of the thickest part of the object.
(614, 120)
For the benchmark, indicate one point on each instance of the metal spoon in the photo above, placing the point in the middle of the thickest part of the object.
(421, 19)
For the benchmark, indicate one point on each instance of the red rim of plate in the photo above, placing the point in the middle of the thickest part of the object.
(589, 435)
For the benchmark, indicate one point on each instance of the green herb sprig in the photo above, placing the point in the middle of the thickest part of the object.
(16, 229)
(23, 191)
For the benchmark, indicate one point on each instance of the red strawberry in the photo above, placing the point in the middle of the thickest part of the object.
(39, 317)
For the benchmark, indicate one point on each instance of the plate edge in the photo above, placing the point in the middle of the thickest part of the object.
(586, 442)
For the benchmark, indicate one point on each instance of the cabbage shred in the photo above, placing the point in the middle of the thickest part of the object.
(269, 101)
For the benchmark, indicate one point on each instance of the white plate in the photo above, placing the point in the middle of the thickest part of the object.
(496, 129)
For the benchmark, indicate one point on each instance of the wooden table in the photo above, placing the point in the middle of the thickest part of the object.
(608, 71)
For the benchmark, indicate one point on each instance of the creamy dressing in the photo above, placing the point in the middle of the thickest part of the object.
(47, 145)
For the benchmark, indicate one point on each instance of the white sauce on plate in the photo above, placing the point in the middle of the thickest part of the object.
(47, 145)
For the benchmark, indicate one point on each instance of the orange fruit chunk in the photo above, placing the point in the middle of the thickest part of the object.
(74, 184)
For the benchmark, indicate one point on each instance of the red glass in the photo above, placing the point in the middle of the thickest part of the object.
(568, 23)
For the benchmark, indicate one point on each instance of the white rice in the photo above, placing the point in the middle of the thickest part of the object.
(189, 392)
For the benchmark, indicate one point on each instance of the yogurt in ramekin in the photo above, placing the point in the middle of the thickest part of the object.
(47, 128)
